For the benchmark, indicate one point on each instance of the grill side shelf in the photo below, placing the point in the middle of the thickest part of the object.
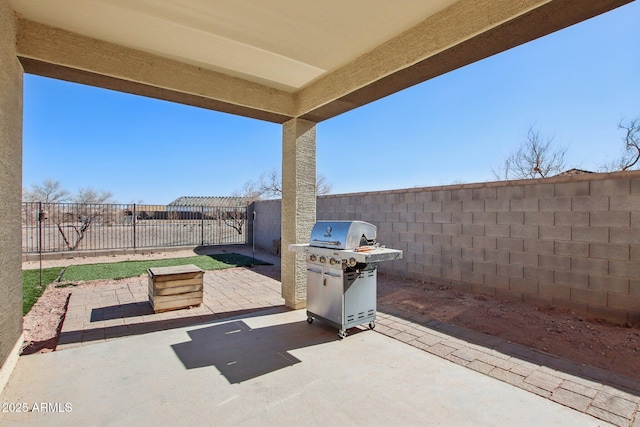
(374, 255)
(377, 255)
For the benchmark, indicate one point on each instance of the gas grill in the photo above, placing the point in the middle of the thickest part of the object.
(342, 259)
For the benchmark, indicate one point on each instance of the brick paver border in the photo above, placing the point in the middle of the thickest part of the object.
(602, 394)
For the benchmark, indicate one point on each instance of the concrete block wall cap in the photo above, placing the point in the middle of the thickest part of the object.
(492, 184)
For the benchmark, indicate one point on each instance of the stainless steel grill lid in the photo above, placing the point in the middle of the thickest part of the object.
(342, 234)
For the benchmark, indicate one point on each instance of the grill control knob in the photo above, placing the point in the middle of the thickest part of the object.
(333, 261)
(323, 259)
(312, 257)
(351, 262)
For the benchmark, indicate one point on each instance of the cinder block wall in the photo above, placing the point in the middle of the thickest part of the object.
(267, 223)
(566, 241)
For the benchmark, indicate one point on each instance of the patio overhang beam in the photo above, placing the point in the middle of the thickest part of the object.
(52, 52)
(467, 31)
(464, 33)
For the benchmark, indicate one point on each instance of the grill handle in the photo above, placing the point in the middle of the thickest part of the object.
(327, 242)
(327, 273)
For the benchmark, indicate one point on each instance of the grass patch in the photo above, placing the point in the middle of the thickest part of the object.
(124, 269)
(31, 289)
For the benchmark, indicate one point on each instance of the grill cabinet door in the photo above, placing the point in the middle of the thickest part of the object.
(360, 296)
(324, 293)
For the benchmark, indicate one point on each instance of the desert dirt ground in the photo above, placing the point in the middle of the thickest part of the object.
(557, 331)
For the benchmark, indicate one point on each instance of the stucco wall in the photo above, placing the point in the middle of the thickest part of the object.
(10, 189)
(566, 241)
(267, 223)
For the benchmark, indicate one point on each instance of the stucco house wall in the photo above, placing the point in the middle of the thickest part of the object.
(10, 193)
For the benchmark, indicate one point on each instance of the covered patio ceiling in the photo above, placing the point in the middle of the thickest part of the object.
(278, 59)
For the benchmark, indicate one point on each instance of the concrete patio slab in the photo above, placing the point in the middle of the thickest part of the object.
(99, 314)
(266, 368)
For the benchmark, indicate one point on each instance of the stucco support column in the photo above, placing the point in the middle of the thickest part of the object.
(298, 205)
(10, 194)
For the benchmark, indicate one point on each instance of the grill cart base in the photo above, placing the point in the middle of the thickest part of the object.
(342, 333)
(344, 299)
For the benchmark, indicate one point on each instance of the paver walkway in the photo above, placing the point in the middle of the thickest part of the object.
(107, 312)
(99, 313)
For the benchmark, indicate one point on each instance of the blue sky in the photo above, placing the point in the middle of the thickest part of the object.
(574, 85)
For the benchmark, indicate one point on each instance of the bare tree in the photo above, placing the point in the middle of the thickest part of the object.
(270, 185)
(323, 186)
(631, 150)
(535, 158)
(74, 220)
(250, 191)
(50, 191)
(90, 195)
(235, 218)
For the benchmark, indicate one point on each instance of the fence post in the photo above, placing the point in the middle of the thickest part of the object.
(202, 225)
(253, 232)
(40, 218)
(133, 220)
(218, 238)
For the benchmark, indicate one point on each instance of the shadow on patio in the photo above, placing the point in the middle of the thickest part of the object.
(248, 353)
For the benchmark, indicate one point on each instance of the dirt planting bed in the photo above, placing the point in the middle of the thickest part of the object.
(557, 331)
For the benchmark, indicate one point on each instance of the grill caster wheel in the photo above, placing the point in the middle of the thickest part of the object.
(342, 334)
(372, 325)
(309, 320)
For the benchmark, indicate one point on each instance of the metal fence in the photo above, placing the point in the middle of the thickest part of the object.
(57, 227)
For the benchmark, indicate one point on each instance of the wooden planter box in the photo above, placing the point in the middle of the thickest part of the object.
(171, 288)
